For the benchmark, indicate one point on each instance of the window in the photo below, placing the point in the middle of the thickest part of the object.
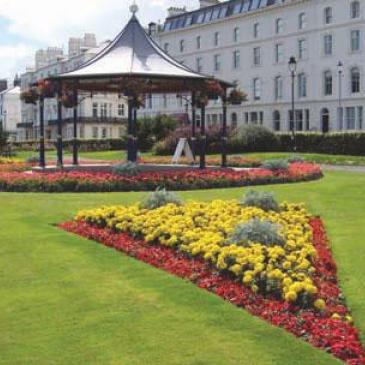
(95, 132)
(95, 110)
(350, 118)
(276, 121)
(199, 64)
(257, 89)
(302, 85)
(182, 46)
(103, 110)
(217, 62)
(234, 120)
(355, 40)
(359, 117)
(198, 42)
(328, 44)
(302, 49)
(164, 101)
(166, 47)
(254, 117)
(257, 56)
(278, 88)
(256, 30)
(327, 82)
(236, 34)
(121, 110)
(236, 59)
(355, 80)
(279, 53)
(279, 26)
(302, 21)
(328, 16)
(149, 103)
(103, 133)
(355, 9)
(216, 39)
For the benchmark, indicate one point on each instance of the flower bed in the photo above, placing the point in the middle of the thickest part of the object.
(148, 181)
(190, 241)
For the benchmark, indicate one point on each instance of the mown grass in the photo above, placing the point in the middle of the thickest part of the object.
(65, 300)
(120, 155)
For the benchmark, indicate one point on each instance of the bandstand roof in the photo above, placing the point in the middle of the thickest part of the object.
(134, 55)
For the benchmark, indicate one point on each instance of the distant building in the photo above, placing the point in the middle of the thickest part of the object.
(250, 42)
(100, 116)
(10, 109)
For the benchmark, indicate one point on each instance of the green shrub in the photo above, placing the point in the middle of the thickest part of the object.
(257, 231)
(275, 165)
(159, 198)
(32, 159)
(295, 158)
(260, 199)
(253, 138)
(126, 169)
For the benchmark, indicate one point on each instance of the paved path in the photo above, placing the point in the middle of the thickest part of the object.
(344, 168)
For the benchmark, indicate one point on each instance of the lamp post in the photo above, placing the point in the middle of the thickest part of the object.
(293, 69)
(340, 114)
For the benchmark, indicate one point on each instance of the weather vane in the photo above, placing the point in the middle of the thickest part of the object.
(134, 8)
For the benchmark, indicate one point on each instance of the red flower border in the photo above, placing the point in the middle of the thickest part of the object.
(335, 336)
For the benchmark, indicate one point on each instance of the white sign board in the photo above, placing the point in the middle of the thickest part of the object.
(183, 148)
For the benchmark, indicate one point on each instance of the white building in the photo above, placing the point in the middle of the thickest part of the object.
(100, 115)
(250, 42)
(10, 109)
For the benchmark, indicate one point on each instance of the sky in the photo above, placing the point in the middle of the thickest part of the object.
(28, 25)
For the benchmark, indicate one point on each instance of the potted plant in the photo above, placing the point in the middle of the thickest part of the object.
(29, 96)
(68, 100)
(214, 90)
(202, 100)
(46, 89)
(237, 97)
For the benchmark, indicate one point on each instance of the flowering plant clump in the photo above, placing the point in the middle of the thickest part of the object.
(190, 179)
(190, 242)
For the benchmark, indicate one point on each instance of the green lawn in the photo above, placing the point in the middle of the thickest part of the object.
(64, 300)
(120, 155)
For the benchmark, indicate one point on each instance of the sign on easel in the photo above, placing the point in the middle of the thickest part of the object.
(183, 148)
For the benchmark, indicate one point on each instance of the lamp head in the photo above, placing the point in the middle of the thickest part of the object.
(292, 64)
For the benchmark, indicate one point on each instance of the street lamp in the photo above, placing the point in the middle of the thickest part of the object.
(293, 69)
(340, 114)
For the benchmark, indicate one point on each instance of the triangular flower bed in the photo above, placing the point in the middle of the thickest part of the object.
(330, 329)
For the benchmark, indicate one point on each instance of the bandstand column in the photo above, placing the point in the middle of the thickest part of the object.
(203, 138)
(193, 123)
(224, 130)
(134, 134)
(42, 155)
(59, 129)
(75, 149)
(130, 142)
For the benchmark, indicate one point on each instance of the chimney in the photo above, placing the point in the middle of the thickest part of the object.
(205, 3)
(3, 84)
(175, 11)
(152, 29)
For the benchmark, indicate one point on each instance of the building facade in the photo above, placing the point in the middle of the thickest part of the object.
(250, 42)
(10, 109)
(100, 115)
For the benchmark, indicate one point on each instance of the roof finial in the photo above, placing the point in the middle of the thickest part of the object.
(133, 8)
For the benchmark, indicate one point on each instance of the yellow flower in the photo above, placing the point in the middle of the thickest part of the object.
(291, 296)
(320, 304)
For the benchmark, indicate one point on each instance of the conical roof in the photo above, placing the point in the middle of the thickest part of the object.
(132, 53)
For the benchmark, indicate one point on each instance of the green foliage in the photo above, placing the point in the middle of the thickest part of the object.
(295, 158)
(126, 169)
(276, 165)
(152, 130)
(257, 231)
(159, 198)
(252, 138)
(260, 199)
(32, 159)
